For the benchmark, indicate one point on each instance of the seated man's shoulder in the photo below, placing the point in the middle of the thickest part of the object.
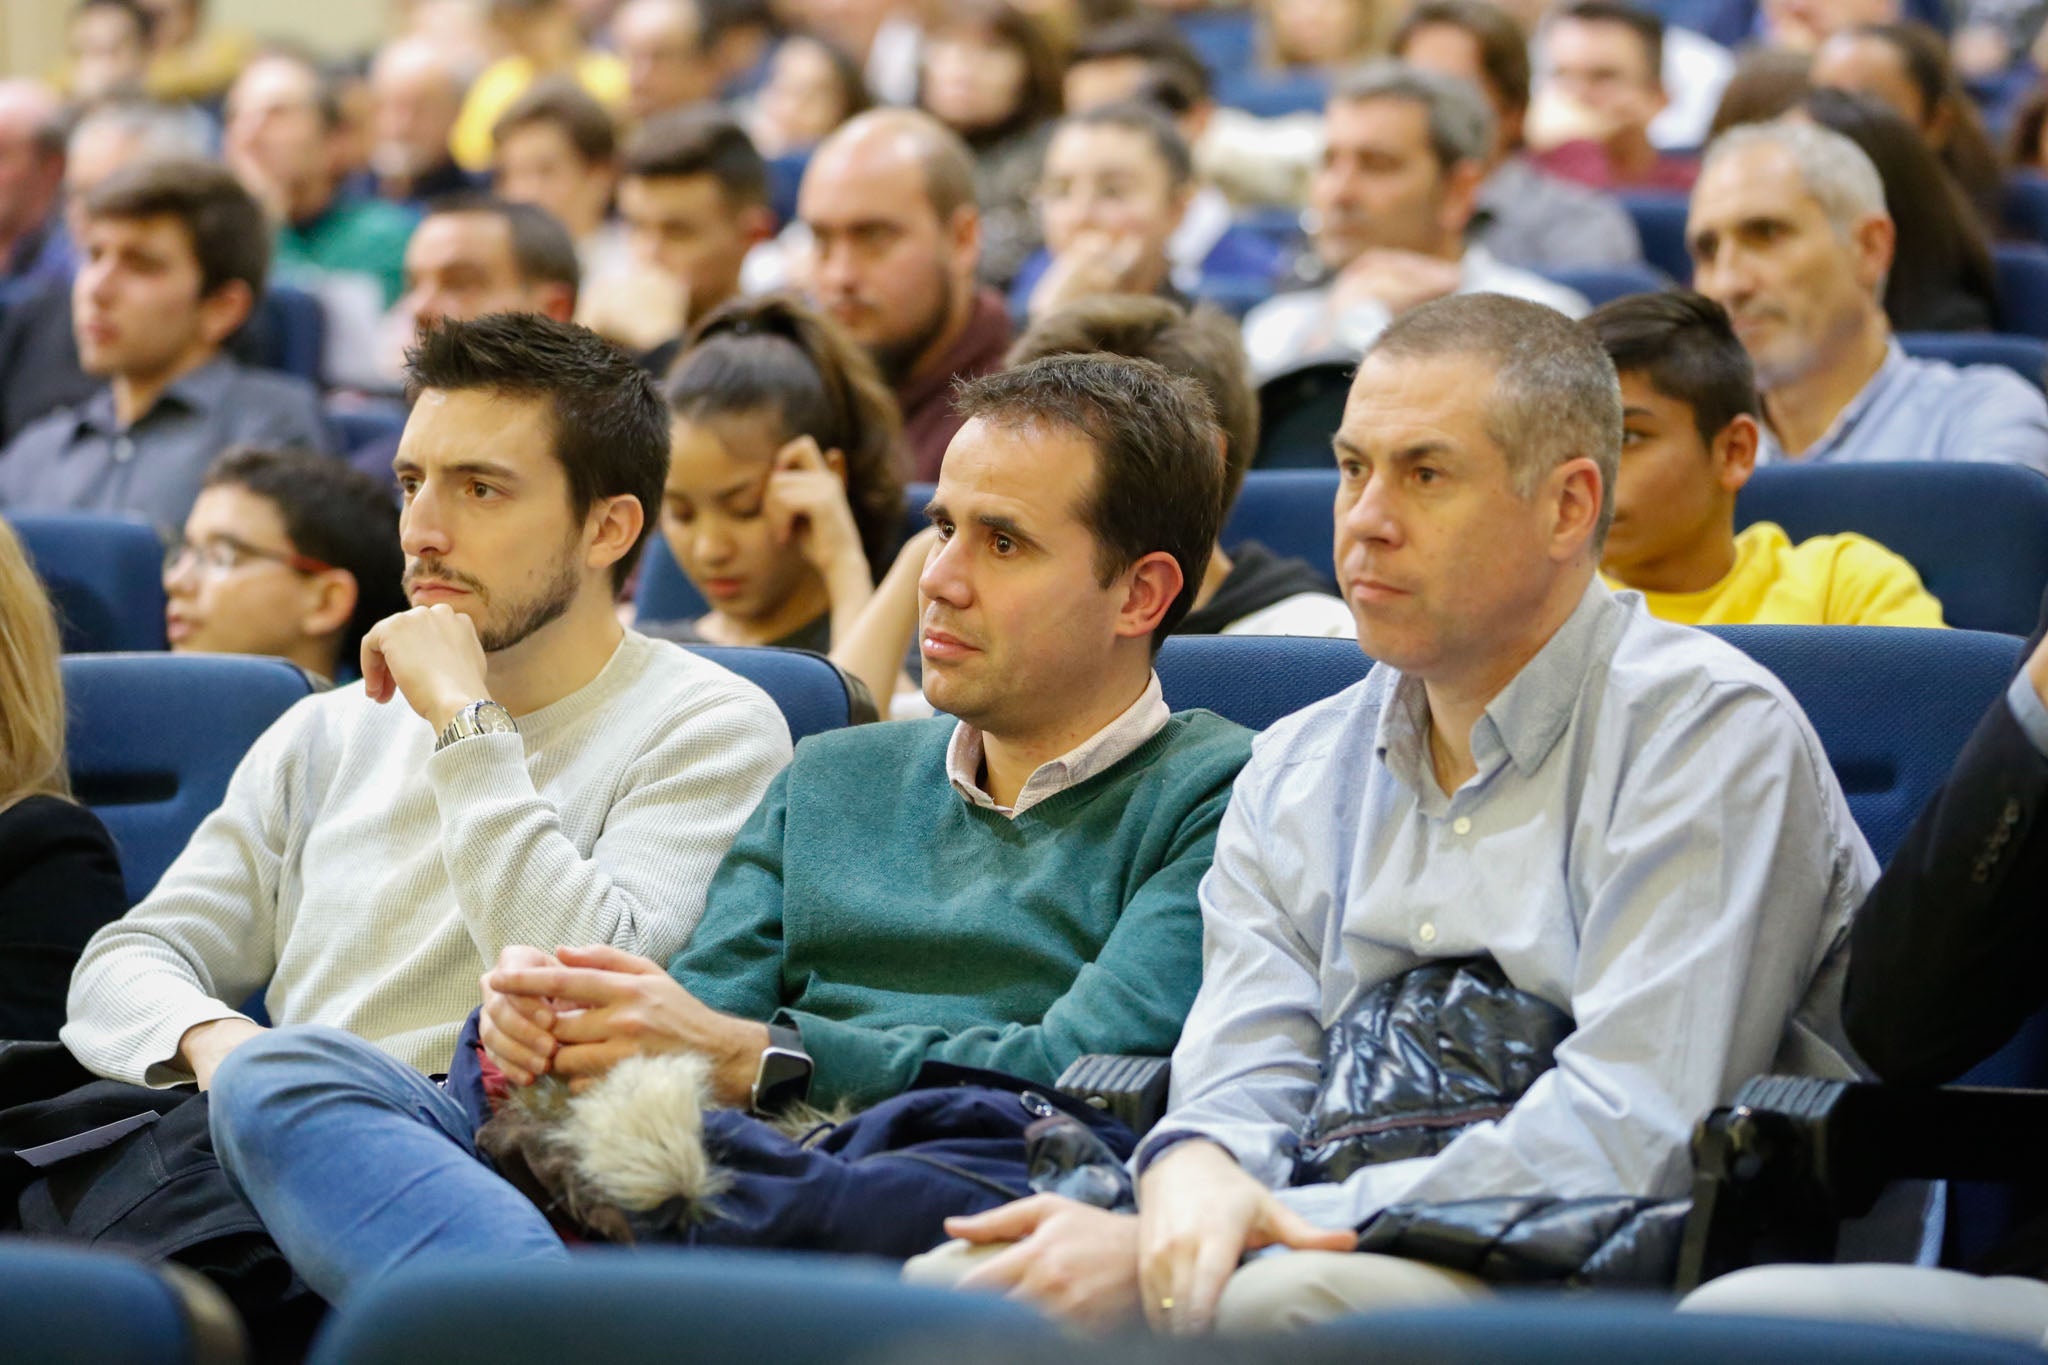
(257, 395)
(686, 687)
(51, 432)
(1970, 384)
(1664, 676)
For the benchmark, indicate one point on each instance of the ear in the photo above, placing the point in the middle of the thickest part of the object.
(757, 224)
(963, 239)
(330, 601)
(1875, 240)
(225, 309)
(1461, 195)
(1734, 453)
(615, 524)
(1575, 491)
(1152, 585)
(555, 300)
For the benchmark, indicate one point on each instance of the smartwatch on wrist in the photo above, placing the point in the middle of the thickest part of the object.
(784, 1077)
(477, 718)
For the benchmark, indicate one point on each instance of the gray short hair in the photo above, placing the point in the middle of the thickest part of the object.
(1837, 174)
(1555, 395)
(1460, 123)
(162, 132)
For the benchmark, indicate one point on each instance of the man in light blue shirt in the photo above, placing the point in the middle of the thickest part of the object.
(1788, 231)
(1634, 820)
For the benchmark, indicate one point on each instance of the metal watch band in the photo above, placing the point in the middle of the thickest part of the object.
(477, 718)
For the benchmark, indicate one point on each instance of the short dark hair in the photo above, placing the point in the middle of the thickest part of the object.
(541, 248)
(1039, 99)
(611, 430)
(779, 355)
(1158, 483)
(1152, 39)
(698, 141)
(1503, 46)
(229, 235)
(1203, 344)
(1648, 28)
(716, 18)
(334, 513)
(562, 103)
(1682, 343)
(1149, 122)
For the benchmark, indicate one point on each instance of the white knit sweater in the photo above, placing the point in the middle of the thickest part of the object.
(369, 881)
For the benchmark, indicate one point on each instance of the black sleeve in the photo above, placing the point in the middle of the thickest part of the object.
(60, 881)
(1949, 955)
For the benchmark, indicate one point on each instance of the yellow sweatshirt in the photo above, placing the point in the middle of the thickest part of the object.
(1839, 580)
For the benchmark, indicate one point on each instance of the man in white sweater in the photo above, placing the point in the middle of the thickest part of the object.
(514, 768)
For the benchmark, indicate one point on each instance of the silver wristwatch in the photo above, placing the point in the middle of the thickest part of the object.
(477, 718)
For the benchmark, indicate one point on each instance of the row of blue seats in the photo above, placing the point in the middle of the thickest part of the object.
(1977, 533)
(733, 1308)
(155, 738)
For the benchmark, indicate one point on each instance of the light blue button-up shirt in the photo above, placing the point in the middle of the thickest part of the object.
(1914, 409)
(1653, 841)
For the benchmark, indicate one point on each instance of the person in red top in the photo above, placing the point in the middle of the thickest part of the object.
(1602, 86)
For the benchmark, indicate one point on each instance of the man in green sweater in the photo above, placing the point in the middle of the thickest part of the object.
(1006, 889)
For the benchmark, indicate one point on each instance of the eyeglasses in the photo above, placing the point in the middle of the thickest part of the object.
(218, 555)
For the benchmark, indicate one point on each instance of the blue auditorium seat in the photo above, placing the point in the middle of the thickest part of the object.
(2025, 356)
(1289, 511)
(2026, 206)
(660, 1305)
(153, 739)
(105, 575)
(1604, 284)
(1225, 39)
(785, 176)
(62, 1305)
(809, 688)
(1660, 221)
(1978, 533)
(292, 329)
(2022, 287)
(360, 425)
(1559, 1329)
(1892, 706)
(1266, 95)
(1299, 413)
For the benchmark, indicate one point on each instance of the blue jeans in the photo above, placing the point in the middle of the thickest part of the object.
(357, 1163)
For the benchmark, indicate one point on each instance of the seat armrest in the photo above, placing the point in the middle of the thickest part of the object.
(1131, 1088)
(1777, 1171)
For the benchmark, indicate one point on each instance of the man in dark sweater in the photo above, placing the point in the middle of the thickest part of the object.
(1007, 890)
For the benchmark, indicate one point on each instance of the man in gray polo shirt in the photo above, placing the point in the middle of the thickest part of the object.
(172, 258)
(1789, 233)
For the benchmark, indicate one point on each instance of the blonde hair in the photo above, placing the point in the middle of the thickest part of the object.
(31, 687)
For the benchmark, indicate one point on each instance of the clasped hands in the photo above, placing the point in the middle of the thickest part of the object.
(1199, 1213)
(578, 1012)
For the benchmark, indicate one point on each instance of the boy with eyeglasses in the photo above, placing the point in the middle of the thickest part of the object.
(284, 553)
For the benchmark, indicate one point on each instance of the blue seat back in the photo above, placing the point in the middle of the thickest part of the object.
(1225, 39)
(704, 1306)
(105, 576)
(1892, 706)
(153, 738)
(1289, 511)
(1977, 533)
(64, 1304)
(1556, 1329)
(2022, 287)
(292, 329)
(1298, 414)
(785, 176)
(1604, 284)
(357, 427)
(2026, 357)
(2026, 206)
(808, 688)
(1660, 221)
(1266, 95)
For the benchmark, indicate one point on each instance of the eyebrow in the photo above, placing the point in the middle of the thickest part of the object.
(1415, 451)
(482, 469)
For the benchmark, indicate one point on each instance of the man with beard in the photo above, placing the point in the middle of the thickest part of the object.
(888, 202)
(515, 767)
(1788, 232)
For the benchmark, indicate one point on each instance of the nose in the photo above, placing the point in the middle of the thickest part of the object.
(180, 574)
(1368, 518)
(1722, 274)
(422, 526)
(946, 577)
(710, 541)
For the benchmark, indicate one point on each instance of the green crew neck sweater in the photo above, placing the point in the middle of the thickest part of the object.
(892, 922)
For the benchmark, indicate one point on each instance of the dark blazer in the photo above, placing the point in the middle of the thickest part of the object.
(1949, 955)
(60, 880)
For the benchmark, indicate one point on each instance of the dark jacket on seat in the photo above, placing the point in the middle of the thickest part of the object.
(60, 880)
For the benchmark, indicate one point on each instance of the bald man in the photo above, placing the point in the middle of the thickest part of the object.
(32, 247)
(888, 201)
(415, 94)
